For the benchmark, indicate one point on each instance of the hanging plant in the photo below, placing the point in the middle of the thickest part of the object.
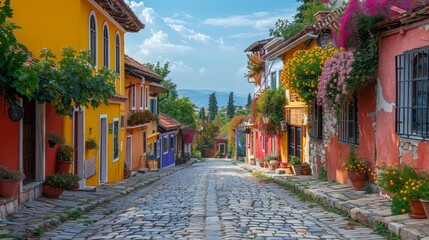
(301, 73)
(271, 104)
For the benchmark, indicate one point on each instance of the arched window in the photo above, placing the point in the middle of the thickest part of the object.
(118, 54)
(93, 38)
(105, 46)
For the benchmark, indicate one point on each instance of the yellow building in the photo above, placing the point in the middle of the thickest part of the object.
(98, 26)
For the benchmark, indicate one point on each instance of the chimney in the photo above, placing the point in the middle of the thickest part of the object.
(320, 15)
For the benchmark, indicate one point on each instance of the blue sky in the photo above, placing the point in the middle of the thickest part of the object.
(204, 39)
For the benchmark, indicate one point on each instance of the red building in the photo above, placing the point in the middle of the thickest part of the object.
(221, 144)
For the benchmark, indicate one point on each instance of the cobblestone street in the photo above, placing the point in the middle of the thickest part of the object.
(213, 199)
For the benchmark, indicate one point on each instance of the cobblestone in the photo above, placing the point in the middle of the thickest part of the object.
(210, 200)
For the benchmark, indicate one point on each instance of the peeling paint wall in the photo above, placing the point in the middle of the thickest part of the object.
(391, 148)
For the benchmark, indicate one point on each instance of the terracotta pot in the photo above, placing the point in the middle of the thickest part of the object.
(75, 187)
(417, 210)
(297, 169)
(266, 164)
(52, 192)
(357, 179)
(9, 188)
(306, 171)
(274, 164)
(284, 164)
(425, 204)
(64, 167)
(261, 164)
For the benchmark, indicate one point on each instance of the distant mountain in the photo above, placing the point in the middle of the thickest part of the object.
(201, 97)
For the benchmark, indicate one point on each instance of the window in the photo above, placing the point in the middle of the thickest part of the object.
(348, 122)
(412, 91)
(144, 142)
(221, 147)
(105, 45)
(146, 98)
(166, 144)
(133, 98)
(316, 121)
(115, 139)
(141, 97)
(294, 141)
(93, 38)
(122, 121)
(273, 80)
(172, 142)
(118, 54)
(153, 108)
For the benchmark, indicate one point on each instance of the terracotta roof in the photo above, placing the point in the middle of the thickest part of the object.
(122, 14)
(158, 88)
(222, 136)
(141, 70)
(416, 15)
(168, 123)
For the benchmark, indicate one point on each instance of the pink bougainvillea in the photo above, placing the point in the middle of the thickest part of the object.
(346, 36)
(333, 81)
(188, 137)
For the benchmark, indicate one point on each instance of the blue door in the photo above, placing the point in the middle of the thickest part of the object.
(167, 150)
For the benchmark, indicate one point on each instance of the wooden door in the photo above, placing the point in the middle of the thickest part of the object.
(294, 141)
(29, 141)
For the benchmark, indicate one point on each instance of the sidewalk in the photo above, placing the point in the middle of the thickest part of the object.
(368, 209)
(44, 212)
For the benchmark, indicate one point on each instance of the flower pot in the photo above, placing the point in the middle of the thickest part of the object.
(425, 204)
(261, 163)
(75, 187)
(9, 188)
(266, 164)
(52, 192)
(274, 164)
(417, 210)
(297, 169)
(252, 162)
(357, 180)
(306, 171)
(52, 143)
(284, 164)
(64, 167)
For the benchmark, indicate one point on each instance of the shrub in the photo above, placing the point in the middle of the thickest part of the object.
(65, 153)
(271, 156)
(91, 144)
(294, 160)
(393, 178)
(218, 154)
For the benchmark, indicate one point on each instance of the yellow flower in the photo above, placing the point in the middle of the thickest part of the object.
(403, 210)
(404, 198)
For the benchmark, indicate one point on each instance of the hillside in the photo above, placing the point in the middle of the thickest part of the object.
(201, 97)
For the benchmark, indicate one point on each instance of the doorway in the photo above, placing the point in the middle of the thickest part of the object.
(294, 141)
(78, 144)
(128, 153)
(29, 141)
(103, 149)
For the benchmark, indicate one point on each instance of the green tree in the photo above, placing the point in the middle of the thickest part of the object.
(202, 114)
(249, 101)
(213, 108)
(230, 108)
(304, 17)
(163, 70)
(181, 109)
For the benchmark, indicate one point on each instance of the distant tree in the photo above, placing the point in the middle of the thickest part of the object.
(171, 87)
(241, 112)
(182, 109)
(213, 108)
(202, 114)
(230, 108)
(249, 101)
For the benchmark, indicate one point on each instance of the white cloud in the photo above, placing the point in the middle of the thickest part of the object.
(202, 70)
(247, 35)
(148, 14)
(222, 45)
(168, 20)
(258, 20)
(179, 66)
(189, 33)
(158, 42)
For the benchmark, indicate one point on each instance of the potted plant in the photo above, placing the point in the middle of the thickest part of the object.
(356, 169)
(54, 184)
(54, 139)
(424, 199)
(9, 182)
(273, 160)
(65, 158)
(305, 168)
(413, 191)
(91, 144)
(296, 164)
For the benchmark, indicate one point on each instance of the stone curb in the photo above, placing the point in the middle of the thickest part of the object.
(354, 211)
(55, 220)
